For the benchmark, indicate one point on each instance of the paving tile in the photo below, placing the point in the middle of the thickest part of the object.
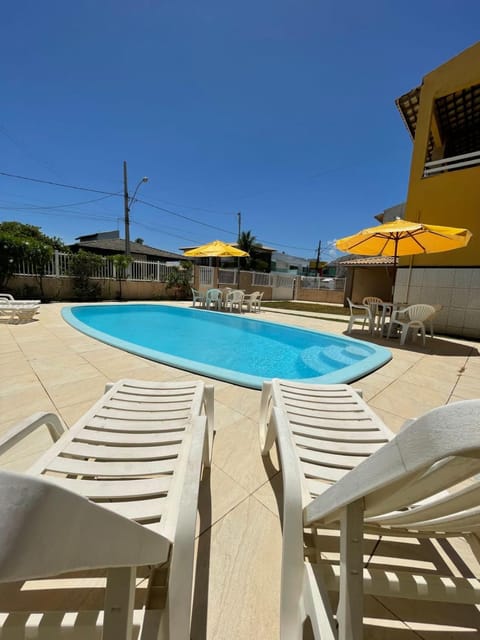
(237, 452)
(408, 400)
(238, 576)
(48, 365)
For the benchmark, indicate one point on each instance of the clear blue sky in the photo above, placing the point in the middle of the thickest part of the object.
(283, 110)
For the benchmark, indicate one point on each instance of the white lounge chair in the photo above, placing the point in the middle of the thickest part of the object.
(117, 494)
(364, 315)
(7, 297)
(339, 480)
(413, 317)
(18, 311)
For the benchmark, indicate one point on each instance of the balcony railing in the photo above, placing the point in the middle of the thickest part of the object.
(451, 164)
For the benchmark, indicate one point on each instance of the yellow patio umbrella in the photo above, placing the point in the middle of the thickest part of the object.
(215, 249)
(404, 238)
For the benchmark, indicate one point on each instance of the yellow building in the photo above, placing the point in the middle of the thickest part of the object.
(443, 118)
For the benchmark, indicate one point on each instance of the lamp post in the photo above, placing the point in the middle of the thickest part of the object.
(127, 201)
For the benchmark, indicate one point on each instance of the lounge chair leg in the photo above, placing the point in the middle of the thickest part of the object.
(119, 600)
(350, 607)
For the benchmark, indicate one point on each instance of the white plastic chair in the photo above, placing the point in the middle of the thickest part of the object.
(116, 494)
(347, 478)
(257, 304)
(213, 299)
(412, 317)
(234, 300)
(373, 302)
(365, 317)
(198, 297)
(250, 300)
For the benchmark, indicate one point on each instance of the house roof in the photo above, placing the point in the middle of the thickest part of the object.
(363, 261)
(458, 117)
(117, 245)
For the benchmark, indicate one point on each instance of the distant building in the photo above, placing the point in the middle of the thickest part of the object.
(109, 243)
(284, 263)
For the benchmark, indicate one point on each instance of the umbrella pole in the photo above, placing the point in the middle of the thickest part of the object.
(395, 257)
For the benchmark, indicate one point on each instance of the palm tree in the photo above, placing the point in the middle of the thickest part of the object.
(247, 242)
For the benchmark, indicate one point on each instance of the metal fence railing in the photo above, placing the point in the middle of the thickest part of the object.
(316, 282)
(59, 267)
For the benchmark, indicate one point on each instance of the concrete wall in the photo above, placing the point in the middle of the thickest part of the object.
(62, 288)
(456, 289)
(319, 295)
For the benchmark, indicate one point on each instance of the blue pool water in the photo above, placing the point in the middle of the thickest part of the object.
(231, 348)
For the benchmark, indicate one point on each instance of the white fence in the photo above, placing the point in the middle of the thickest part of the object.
(310, 282)
(59, 267)
(228, 276)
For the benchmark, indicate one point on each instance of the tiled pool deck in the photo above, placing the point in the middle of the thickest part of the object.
(47, 365)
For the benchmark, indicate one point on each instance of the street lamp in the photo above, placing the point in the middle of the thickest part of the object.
(127, 202)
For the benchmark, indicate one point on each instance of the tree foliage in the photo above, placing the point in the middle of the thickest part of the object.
(83, 266)
(21, 243)
(248, 242)
(180, 280)
(121, 263)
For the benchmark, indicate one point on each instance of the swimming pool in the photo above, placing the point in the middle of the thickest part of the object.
(239, 350)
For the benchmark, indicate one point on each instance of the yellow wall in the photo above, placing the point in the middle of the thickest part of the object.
(451, 199)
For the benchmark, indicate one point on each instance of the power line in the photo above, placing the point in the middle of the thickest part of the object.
(59, 206)
(180, 215)
(149, 204)
(57, 184)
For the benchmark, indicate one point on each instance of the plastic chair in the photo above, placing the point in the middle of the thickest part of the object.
(198, 297)
(373, 302)
(250, 301)
(234, 300)
(412, 317)
(213, 298)
(365, 317)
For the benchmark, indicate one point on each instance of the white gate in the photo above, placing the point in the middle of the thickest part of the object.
(205, 277)
(281, 284)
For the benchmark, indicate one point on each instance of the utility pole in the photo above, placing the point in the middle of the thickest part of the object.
(239, 217)
(126, 210)
(126, 205)
(317, 263)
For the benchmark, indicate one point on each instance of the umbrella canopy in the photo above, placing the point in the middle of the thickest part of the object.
(215, 249)
(404, 238)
